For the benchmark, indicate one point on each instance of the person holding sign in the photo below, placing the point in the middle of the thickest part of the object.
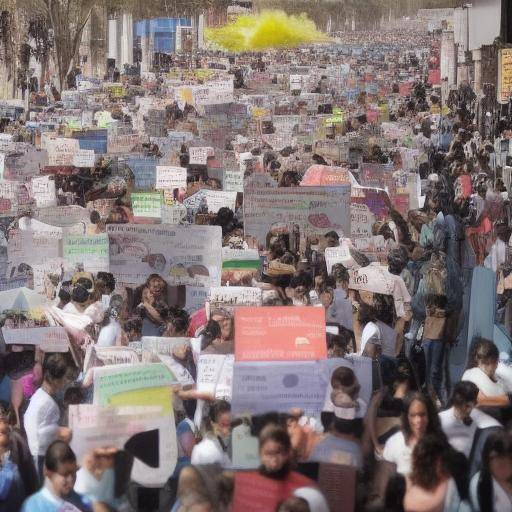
(41, 420)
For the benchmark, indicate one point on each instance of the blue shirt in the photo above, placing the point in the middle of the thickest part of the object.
(45, 501)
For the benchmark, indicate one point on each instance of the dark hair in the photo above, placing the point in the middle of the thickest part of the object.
(179, 318)
(340, 273)
(347, 378)
(217, 408)
(426, 455)
(108, 279)
(332, 234)
(397, 261)
(482, 351)
(464, 392)
(79, 294)
(434, 424)
(277, 249)
(54, 367)
(499, 443)
(301, 279)
(210, 332)
(57, 453)
(277, 434)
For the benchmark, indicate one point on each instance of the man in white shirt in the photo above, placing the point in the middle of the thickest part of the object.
(41, 420)
(461, 422)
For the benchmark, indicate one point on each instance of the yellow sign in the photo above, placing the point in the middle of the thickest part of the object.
(505, 75)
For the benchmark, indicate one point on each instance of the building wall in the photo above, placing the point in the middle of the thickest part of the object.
(484, 22)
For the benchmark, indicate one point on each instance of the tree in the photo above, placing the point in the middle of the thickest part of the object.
(59, 24)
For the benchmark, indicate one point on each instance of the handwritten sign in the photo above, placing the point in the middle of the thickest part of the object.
(186, 255)
(89, 250)
(280, 334)
(84, 158)
(170, 178)
(147, 204)
(48, 339)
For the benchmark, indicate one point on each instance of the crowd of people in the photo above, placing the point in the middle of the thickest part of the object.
(151, 224)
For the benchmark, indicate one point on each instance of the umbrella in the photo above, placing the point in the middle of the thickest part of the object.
(323, 175)
(23, 299)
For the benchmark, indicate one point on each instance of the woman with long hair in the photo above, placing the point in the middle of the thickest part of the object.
(418, 419)
(491, 487)
(430, 486)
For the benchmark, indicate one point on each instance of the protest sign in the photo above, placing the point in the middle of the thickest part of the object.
(210, 201)
(170, 178)
(84, 158)
(43, 191)
(62, 216)
(215, 375)
(279, 334)
(173, 214)
(199, 155)
(188, 255)
(362, 220)
(122, 384)
(313, 210)
(34, 245)
(340, 254)
(239, 266)
(245, 448)
(48, 339)
(91, 251)
(105, 356)
(147, 204)
(235, 296)
(123, 427)
(261, 387)
(62, 151)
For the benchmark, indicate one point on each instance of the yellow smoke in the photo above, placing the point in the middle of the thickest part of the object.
(270, 29)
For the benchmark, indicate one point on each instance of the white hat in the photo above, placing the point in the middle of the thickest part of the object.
(314, 498)
(370, 334)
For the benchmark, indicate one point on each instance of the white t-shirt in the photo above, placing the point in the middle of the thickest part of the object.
(41, 422)
(461, 436)
(109, 334)
(209, 451)
(502, 501)
(397, 451)
(483, 382)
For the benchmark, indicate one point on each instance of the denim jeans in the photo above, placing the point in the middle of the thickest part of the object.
(434, 354)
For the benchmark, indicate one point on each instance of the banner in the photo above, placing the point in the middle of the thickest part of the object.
(48, 339)
(311, 211)
(182, 255)
(280, 334)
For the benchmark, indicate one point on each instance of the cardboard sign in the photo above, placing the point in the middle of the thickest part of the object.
(48, 339)
(147, 204)
(84, 158)
(314, 210)
(187, 255)
(215, 375)
(89, 250)
(122, 428)
(62, 151)
(199, 155)
(235, 296)
(280, 334)
(170, 177)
